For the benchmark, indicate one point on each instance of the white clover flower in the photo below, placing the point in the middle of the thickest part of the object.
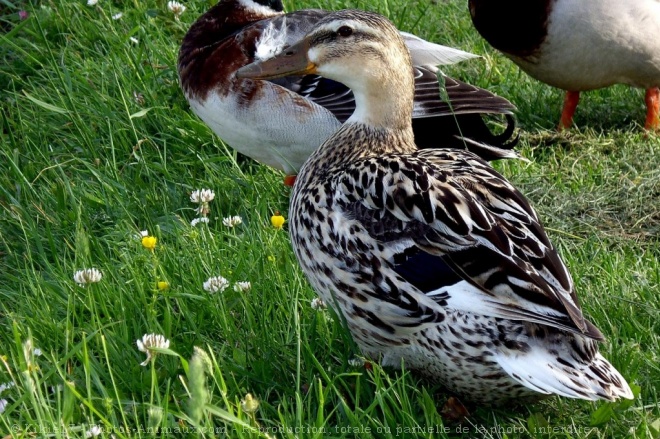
(87, 276)
(94, 431)
(318, 304)
(92, 2)
(176, 8)
(216, 284)
(3, 405)
(232, 221)
(6, 386)
(150, 341)
(118, 15)
(134, 40)
(196, 221)
(242, 287)
(202, 196)
(356, 362)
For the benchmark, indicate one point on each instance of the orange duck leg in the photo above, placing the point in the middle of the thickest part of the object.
(652, 100)
(570, 104)
(289, 180)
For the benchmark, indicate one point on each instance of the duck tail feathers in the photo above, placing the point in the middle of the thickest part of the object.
(544, 373)
(491, 146)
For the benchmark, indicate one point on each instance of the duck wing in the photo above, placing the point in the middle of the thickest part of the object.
(450, 112)
(437, 94)
(454, 228)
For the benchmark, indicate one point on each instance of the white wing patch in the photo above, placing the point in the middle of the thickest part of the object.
(273, 40)
(542, 372)
(255, 7)
(426, 53)
(503, 304)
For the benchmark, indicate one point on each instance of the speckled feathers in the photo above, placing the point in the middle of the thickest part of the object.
(436, 260)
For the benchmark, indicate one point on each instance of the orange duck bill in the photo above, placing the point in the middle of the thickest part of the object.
(291, 61)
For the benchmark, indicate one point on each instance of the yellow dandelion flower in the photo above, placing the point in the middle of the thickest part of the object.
(162, 285)
(277, 220)
(149, 242)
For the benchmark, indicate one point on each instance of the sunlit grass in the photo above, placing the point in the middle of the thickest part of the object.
(97, 144)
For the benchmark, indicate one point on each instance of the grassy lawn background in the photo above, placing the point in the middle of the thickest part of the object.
(97, 144)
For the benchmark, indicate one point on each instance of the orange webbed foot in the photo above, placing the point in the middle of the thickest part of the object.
(570, 104)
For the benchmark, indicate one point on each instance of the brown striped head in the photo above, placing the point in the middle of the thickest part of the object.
(362, 50)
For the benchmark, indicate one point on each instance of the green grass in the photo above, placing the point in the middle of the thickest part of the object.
(97, 143)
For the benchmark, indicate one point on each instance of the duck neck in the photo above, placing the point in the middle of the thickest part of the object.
(353, 141)
(384, 103)
(381, 123)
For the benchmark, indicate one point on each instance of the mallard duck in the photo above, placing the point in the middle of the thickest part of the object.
(281, 122)
(432, 257)
(579, 45)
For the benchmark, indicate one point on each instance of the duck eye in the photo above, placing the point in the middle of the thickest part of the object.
(344, 31)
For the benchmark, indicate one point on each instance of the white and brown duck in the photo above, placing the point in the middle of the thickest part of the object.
(280, 122)
(579, 45)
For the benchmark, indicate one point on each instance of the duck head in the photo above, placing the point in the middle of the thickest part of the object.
(360, 49)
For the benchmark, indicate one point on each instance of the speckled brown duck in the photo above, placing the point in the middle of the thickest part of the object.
(434, 258)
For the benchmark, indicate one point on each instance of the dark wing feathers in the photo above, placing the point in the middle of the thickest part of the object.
(332, 95)
(425, 271)
(459, 213)
(442, 96)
